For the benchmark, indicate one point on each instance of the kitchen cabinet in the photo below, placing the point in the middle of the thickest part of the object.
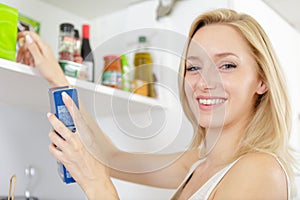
(22, 86)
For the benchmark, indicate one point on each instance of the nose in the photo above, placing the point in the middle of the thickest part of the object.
(208, 79)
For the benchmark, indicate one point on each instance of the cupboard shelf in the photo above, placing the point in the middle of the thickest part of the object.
(23, 86)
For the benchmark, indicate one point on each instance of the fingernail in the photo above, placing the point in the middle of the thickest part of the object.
(48, 114)
(65, 95)
(28, 39)
(21, 42)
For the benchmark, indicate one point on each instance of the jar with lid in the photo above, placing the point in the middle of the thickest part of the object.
(66, 41)
(112, 71)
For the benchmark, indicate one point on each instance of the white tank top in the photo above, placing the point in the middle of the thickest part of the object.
(205, 190)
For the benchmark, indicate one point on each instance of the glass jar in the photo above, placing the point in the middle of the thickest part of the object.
(66, 42)
(112, 71)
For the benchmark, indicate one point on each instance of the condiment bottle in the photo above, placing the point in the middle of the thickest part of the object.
(66, 41)
(77, 47)
(143, 82)
(112, 71)
(86, 52)
(126, 74)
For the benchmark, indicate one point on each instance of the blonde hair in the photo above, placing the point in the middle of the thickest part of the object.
(269, 128)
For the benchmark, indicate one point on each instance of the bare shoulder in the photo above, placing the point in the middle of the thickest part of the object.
(254, 176)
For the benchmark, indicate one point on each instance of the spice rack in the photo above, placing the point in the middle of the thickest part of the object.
(22, 86)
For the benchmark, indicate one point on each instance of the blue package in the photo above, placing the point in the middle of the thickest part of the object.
(58, 107)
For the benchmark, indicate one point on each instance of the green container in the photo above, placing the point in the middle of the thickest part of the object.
(8, 32)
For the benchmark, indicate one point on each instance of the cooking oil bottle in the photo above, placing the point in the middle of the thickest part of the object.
(143, 82)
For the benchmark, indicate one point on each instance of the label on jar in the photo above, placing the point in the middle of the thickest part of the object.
(90, 69)
(140, 87)
(112, 78)
(73, 69)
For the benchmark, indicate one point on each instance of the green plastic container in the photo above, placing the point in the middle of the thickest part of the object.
(8, 32)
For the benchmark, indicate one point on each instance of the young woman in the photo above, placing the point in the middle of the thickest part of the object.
(232, 91)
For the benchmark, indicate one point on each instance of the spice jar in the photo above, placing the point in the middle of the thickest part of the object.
(112, 72)
(66, 41)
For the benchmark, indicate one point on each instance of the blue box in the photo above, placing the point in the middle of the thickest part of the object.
(58, 107)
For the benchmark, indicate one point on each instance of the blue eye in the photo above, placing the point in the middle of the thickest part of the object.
(193, 68)
(228, 66)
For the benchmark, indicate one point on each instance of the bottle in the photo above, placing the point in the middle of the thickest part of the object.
(86, 52)
(66, 41)
(126, 75)
(112, 71)
(143, 82)
(77, 47)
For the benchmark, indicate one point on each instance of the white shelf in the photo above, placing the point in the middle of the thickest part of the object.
(23, 86)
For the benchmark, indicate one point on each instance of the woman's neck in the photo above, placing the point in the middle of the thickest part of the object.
(222, 144)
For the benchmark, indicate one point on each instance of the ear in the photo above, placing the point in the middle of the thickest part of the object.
(261, 88)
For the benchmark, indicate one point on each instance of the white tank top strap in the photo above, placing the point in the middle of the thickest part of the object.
(205, 191)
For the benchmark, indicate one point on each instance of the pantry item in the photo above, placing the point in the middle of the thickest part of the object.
(77, 47)
(8, 32)
(126, 74)
(143, 82)
(73, 69)
(58, 107)
(112, 71)
(66, 41)
(86, 52)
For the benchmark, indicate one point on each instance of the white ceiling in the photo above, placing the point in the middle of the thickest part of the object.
(91, 9)
(287, 9)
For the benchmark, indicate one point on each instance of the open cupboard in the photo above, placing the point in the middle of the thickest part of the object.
(24, 97)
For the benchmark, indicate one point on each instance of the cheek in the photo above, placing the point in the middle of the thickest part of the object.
(189, 84)
(240, 92)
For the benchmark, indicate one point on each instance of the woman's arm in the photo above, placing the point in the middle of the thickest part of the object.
(154, 170)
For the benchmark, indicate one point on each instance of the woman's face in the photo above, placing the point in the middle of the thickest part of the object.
(221, 80)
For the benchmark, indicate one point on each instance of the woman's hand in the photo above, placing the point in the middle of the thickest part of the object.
(89, 173)
(35, 52)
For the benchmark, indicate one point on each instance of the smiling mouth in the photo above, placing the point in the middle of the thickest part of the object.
(211, 101)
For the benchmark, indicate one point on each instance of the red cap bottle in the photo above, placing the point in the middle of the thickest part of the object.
(86, 31)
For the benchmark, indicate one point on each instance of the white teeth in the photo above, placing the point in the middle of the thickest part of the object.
(211, 101)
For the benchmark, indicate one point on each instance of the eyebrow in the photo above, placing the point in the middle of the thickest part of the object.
(193, 58)
(219, 55)
(225, 54)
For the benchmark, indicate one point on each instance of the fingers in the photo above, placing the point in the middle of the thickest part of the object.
(34, 49)
(55, 152)
(36, 46)
(59, 127)
(72, 108)
(32, 37)
(58, 142)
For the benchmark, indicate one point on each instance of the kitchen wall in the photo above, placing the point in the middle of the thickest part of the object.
(23, 143)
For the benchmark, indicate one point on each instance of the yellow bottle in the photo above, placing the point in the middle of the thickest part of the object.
(143, 82)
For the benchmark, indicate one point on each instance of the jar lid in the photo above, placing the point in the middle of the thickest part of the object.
(66, 27)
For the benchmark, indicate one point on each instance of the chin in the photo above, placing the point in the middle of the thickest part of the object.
(212, 123)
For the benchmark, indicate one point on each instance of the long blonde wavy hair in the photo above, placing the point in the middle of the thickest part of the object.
(269, 128)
